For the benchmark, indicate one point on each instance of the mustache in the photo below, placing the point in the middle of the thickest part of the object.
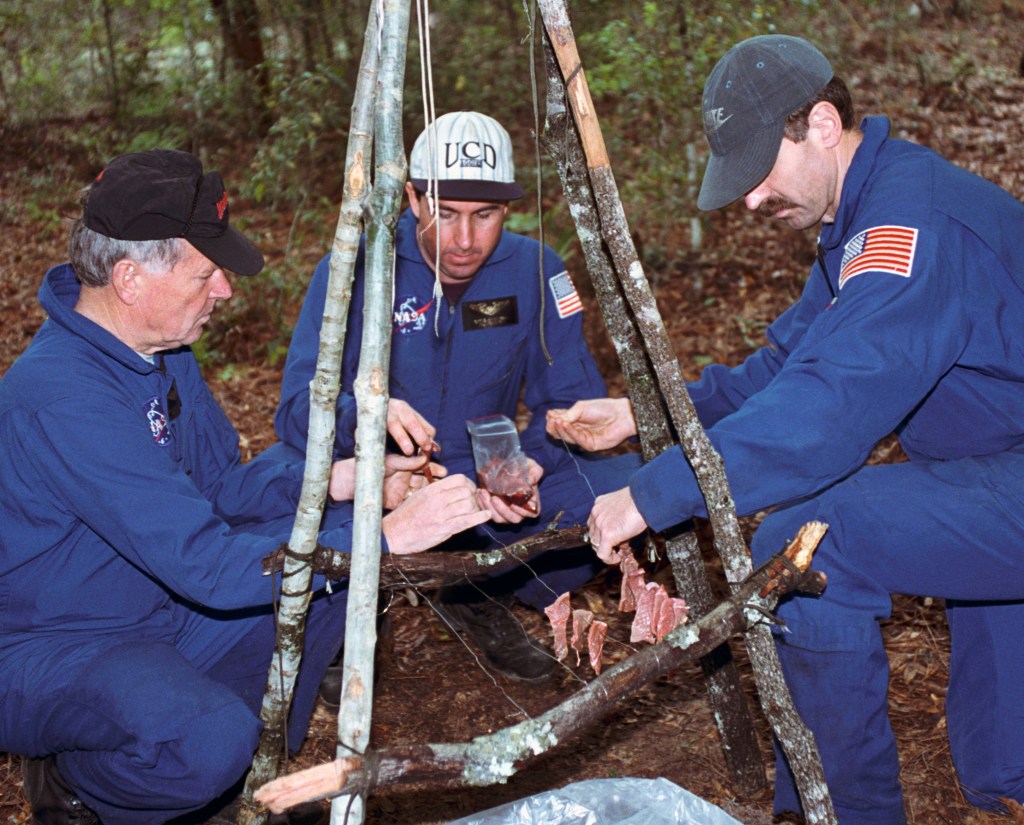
(769, 206)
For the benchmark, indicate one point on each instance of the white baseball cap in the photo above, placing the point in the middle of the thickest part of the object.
(470, 157)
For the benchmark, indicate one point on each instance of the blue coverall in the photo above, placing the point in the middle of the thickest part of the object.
(135, 625)
(487, 347)
(911, 322)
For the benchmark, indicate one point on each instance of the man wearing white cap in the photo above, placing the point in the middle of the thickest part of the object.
(910, 322)
(474, 324)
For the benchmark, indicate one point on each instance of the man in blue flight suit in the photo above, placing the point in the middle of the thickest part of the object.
(136, 628)
(910, 322)
(475, 325)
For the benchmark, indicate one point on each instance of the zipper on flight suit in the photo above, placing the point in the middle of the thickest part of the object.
(824, 270)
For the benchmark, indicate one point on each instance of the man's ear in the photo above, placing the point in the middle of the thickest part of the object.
(825, 120)
(125, 278)
(414, 200)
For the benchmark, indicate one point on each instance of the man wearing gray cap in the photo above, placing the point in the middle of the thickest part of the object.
(910, 323)
(137, 625)
(479, 321)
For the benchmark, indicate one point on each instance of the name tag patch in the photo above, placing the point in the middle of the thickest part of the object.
(496, 312)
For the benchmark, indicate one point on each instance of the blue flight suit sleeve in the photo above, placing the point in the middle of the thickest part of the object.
(571, 375)
(721, 390)
(860, 368)
(148, 511)
(257, 491)
(291, 420)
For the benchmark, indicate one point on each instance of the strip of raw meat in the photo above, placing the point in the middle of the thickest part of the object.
(670, 615)
(643, 621)
(632, 582)
(595, 644)
(581, 620)
(558, 614)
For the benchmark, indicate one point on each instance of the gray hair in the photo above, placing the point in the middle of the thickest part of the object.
(93, 255)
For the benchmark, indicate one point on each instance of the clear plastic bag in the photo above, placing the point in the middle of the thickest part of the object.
(607, 802)
(501, 466)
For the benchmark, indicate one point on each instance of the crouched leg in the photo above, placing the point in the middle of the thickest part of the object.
(985, 700)
(140, 736)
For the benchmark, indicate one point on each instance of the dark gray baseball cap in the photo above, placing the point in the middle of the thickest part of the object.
(749, 94)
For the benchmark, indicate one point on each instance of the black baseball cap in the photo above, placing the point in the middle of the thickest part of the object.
(749, 94)
(163, 193)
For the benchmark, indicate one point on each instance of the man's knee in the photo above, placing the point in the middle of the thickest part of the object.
(212, 753)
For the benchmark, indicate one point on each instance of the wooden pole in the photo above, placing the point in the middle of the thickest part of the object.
(324, 389)
(795, 738)
(371, 391)
(731, 711)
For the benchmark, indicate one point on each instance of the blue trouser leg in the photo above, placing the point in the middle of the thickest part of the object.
(176, 737)
(946, 529)
(141, 735)
(985, 700)
(146, 729)
(570, 488)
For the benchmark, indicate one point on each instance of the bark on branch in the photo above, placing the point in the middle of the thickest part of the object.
(493, 758)
(434, 570)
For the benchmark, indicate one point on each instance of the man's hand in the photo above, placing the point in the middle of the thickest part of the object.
(432, 514)
(405, 474)
(402, 475)
(613, 521)
(505, 513)
(342, 484)
(408, 428)
(598, 424)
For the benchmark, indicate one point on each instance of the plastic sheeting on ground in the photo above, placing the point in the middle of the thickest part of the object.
(607, 802)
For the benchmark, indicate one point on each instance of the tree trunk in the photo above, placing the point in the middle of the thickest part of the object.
(115, 86)
(371, 390)
(240, 28)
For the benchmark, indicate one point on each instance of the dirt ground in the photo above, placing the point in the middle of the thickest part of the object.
(431, 687)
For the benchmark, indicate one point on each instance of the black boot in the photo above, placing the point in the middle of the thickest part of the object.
(51, 798)
(492, 626)
(330, 686)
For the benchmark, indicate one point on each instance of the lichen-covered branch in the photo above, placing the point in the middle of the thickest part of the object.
(493, 758)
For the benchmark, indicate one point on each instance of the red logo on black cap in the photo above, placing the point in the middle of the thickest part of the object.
(222, 206)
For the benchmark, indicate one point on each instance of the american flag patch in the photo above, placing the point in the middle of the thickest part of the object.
(566, 298)
(879, 249)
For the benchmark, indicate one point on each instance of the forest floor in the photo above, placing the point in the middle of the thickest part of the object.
(431, 686)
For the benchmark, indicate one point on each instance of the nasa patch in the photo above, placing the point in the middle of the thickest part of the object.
(410, 315)
(157, 422)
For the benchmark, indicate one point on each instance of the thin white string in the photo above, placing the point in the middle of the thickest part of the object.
(429, 117)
